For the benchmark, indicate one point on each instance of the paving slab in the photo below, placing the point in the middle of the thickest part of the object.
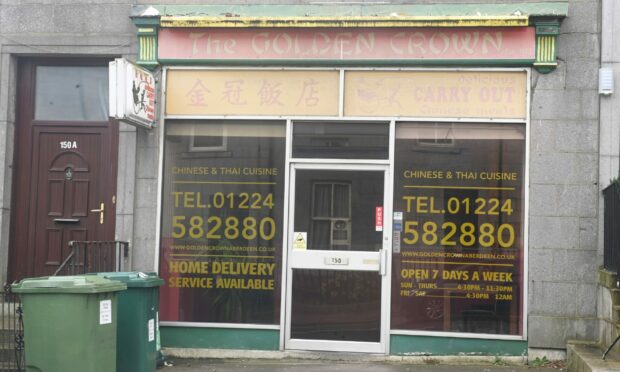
(589, 358)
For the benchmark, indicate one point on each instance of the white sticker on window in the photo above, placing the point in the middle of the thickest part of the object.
(300, 240)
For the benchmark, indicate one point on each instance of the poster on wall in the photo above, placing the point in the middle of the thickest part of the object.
(221, 222)
(458, 221)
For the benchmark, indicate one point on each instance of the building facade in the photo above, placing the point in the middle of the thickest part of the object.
(388, 178)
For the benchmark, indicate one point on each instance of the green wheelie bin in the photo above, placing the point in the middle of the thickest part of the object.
(138, 309)
(69, 323)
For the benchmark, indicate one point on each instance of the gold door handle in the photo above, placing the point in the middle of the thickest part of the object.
(100, 210)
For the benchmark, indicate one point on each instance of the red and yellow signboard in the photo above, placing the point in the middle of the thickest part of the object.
(466, 43)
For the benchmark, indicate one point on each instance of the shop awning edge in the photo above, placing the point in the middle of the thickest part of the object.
(358, 15)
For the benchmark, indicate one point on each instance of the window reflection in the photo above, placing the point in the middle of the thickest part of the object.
(459, 263)
(336, 305)
(340, 212)
(340, 140)
(71, 93)
(223, 200)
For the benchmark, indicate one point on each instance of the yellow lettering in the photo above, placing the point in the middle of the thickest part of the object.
(455, 275)
(492, 276)
(415, 273)
(422, 205)
(188, 267)
(236, 283)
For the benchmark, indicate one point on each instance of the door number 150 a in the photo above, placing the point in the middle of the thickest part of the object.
(68, 145)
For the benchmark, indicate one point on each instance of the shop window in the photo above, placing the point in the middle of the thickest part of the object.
(210, 138)
(222, 216)
(340, 140)
(442, 136)
(458, 253)
(331, 216)
(71, 93)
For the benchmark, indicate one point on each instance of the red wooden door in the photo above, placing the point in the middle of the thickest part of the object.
(65, 173)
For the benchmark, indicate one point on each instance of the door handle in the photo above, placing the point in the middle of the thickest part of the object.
(383, 262)
(100, 210)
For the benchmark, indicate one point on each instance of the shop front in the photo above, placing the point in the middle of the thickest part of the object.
(344, 184)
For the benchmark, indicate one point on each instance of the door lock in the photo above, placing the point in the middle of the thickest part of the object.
(100, 210)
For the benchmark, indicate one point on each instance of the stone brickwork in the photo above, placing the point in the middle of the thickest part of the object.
(609, 166)
(564, 247)
(147, 163)
(564, 187)
(610, 105)
(7, 126)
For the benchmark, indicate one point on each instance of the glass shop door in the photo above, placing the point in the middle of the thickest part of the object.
(338, 258)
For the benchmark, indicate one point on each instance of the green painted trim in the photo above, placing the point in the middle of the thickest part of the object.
(220, 338)
(351, 63)
(430, 345)
(148, 42)
(549, 27)
(547, 32)
(145, 21)
(555, 9)
(545, 69)
(147, 48)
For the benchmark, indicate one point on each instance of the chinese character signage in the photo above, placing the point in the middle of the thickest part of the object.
(252, 92)
(461, 94)
(132, 93)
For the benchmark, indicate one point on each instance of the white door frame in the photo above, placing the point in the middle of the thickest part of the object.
(364, 261)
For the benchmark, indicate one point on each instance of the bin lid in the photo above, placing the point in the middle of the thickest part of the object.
(134, 279)
(68, 284)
